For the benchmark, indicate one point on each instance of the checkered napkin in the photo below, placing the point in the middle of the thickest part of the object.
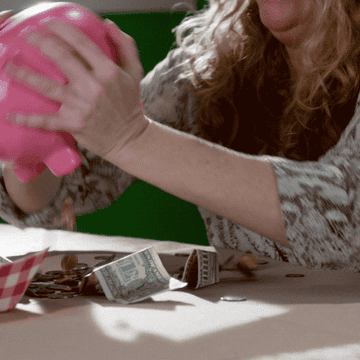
(16, 276)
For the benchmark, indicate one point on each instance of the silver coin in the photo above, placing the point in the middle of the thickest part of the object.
(233, 298)
(60, 296)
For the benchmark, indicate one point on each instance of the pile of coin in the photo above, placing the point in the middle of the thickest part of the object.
(75, 279)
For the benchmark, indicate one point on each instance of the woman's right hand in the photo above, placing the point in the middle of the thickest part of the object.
(4, 15)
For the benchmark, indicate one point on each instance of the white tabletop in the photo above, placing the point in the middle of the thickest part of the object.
(311, 317)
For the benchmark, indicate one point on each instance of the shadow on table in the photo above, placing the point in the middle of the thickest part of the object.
(168, 305)
(49, 306)
(37, 310)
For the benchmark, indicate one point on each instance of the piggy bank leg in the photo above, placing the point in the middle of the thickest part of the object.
(28, 172)
(63, 162)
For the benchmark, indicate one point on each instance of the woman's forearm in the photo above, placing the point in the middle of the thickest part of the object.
(34, 195)
(236, 186)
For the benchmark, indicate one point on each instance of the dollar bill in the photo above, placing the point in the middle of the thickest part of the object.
(201, 269)
(136, 277)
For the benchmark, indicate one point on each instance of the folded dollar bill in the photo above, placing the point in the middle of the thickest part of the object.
(201, 269)
(136, 277)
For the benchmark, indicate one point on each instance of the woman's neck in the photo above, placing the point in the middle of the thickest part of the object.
(295, 62)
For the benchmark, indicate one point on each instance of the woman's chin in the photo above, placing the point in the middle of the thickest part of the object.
(292, 37)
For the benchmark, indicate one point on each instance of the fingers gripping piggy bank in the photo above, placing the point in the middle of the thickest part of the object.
(31, 150)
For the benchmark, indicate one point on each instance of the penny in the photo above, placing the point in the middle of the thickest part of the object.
(248, 261)
(44, 291)
(105, 257)
(294, 275)
(69, 262)
(44, 278)
(67, 282)
(68, 218)
(73, 293)
(70, 290)
(233, 298)
(57, 287)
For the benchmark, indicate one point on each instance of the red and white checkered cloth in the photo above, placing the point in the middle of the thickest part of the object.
(15, 277)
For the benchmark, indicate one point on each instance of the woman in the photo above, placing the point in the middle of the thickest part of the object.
(259, 105)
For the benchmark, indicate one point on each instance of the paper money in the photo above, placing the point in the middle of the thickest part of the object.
(136, 277)
(201, 269)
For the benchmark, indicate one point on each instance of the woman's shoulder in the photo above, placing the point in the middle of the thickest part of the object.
(348, 146)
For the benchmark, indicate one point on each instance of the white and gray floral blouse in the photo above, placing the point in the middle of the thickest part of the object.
(320, 200)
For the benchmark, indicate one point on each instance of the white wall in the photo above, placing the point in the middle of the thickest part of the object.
(105, 5)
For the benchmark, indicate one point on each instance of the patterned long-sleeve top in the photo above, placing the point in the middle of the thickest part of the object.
(319, 199)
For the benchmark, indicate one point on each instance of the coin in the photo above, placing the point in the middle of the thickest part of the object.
(80, 267)
(57, 287)
(69, 262)
(102, 257)
(60, 296)
(68, 282)
(233, 298)
(44, 291)
(294, 275)
(54, 272)
(44, 278)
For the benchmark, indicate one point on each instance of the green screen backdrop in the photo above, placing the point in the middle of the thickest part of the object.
(145, 211)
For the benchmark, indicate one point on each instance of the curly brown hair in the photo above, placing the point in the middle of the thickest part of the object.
(241, 71)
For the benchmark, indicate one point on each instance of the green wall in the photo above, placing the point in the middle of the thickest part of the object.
(145, 211)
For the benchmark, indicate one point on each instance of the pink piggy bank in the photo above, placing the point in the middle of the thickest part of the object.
(30, 150)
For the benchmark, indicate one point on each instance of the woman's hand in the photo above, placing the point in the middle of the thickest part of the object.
(101, 102)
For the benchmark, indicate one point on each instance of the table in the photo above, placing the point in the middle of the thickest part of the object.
(311, 317)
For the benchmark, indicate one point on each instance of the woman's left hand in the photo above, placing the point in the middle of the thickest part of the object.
(101, 103)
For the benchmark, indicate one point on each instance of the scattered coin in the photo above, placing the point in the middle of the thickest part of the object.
(75, 279)
(54, 273)
(294, 275)
(106, 257)
(233, 298)
(44, 278)
(80, 267)
(57, 287)
(248, 261)
(60, 296)
(44, 291)
(67, 282)
(69, 262)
